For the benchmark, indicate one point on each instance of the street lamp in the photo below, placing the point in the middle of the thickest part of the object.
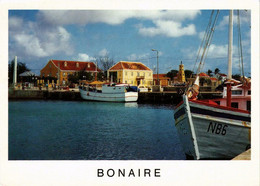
(158, 82)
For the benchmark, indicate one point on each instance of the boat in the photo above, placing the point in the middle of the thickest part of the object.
(214, 129)
(109, 92)
(142, 89)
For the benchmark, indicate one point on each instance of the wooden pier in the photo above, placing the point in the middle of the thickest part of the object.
(244, 156)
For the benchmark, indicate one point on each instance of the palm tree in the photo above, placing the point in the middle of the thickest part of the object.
(216, 71)
(209, 72)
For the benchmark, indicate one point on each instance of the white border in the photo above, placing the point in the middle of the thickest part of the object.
(84, 172)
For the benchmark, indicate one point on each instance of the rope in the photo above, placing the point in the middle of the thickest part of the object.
(205, 35)
(207, 43)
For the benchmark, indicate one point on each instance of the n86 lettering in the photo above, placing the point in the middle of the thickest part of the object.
(217, 128)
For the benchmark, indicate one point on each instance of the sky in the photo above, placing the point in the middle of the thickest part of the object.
(36, 36)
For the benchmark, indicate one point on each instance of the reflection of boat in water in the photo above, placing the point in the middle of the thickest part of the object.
(111, 93)
(131, 104)
(217, 128)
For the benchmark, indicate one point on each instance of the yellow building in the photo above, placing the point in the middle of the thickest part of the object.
(134, 73)
(181, 74)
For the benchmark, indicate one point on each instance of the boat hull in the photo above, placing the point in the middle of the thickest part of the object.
(109, 97)
(209, 132)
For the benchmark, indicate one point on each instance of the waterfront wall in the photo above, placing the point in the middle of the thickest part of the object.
(44, 94)
(171, 97)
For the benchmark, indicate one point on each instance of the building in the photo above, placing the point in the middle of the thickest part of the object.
(181, 74)
(61, 69)
(163, 79)
(180, 79)
(221, 77)
(134, 73)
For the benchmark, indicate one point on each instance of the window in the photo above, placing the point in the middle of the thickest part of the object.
(249, 92)
(77, 65)
(64, 74)
(138, 74)
(126, 73)
(132, 73)
(150, 74)
(65, 63)
(42, 74)
(218, 102)
(50, 65)
(234, 104)
(88, 65)
(248, 105)
(126, 81)
(236, 92)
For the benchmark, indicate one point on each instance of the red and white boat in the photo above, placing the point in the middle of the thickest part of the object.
(214, 129)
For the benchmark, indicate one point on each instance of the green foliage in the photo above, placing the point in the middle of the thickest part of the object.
(208, 81)
(172, 74)
(21, 67)
(188, 73)
(101, 76)
(202, 81)
(216, 71)
(237, 77)
(209, 72)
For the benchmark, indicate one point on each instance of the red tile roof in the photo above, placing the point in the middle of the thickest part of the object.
(129, 66)
(72, 65)
(161, 76)
(202, 74)
(222, 74)
(213, 79)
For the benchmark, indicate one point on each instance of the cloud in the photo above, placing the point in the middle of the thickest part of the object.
(142, 57)
(15, 23)
(34, 40)
(244, 19)
(113, 17)
(31, 44)
(163, 20)
(103, 53)
(162, 28)
(84, 57)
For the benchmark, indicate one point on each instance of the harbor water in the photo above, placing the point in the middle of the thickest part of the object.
(81, 130)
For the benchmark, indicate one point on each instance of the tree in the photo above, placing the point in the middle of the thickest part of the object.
(188, 73)
(208, 81)
(21, 67)
(172, 74)
(216, 71)
(101, 76)
(202, 81)
(105, 63)
(209, 72)
(237, 77)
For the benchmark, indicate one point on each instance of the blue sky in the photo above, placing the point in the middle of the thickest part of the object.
(36, 36)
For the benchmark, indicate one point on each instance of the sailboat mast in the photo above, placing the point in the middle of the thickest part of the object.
(230, 46)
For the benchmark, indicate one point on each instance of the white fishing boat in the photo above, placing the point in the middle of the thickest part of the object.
(109, 93)
(213, 129)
